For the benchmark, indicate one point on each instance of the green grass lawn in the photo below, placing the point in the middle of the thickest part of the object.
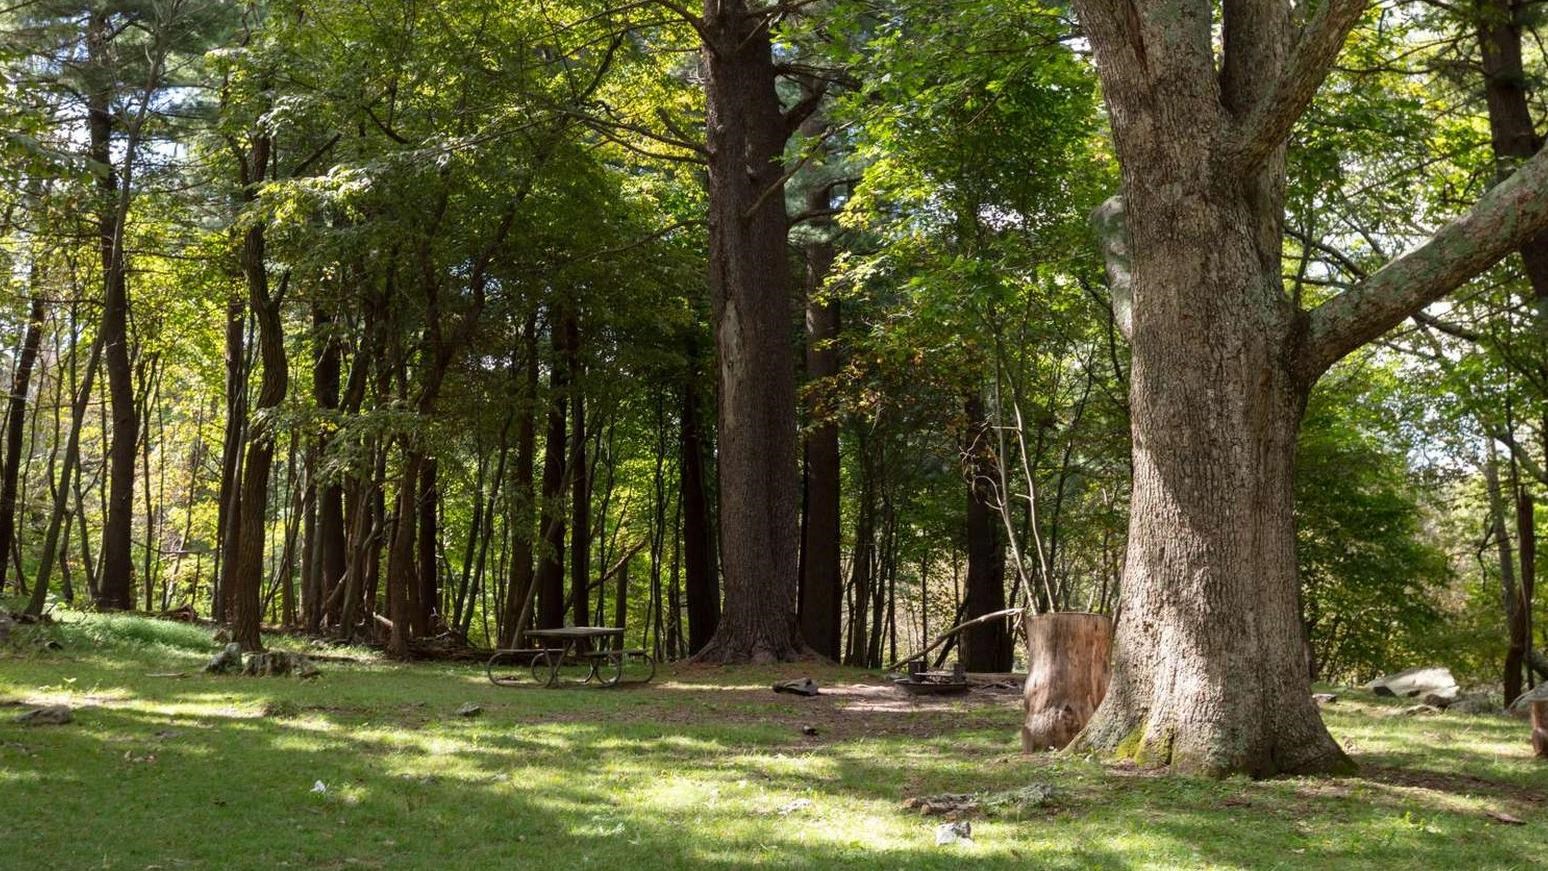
(702, 768)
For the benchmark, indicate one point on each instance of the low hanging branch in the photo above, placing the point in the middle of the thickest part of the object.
(945, 636)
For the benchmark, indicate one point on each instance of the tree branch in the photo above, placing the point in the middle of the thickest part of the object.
(1268, 125)
(1504, 218)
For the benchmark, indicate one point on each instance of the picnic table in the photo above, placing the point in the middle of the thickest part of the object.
(572, 645)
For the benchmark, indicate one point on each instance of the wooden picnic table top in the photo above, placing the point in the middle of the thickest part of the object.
(576, 632)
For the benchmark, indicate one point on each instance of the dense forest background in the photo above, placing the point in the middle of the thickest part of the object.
(391, 321)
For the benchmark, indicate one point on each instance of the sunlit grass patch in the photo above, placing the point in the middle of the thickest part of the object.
(707, 769)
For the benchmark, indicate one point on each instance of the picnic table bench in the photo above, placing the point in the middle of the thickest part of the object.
(571, 645)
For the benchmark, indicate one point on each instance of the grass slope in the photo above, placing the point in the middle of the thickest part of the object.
(701, 769)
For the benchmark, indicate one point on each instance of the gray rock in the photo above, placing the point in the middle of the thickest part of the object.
(1475, 703)
(1324, 698)
(802, 687)
(228, 658)
(1438, 700)
(959, 832)
(278, 663)
(1416, 710)
(1416, 682)
(468, 709)
(49, 715)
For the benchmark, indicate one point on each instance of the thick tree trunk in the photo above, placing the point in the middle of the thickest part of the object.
(246, 579)
(753, 316)
(986, 647)
(702, 577)
(822, 587)
(1067, 675)
(15, 423)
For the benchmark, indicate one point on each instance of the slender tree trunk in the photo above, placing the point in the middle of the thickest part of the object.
(116, 588)
(230, 498)
(517, 591)
(16, 418)
(752, 312)
(822, 586)
(429, 573)
(580, 483)
(68, 476)
(550, 572)
(331, 551)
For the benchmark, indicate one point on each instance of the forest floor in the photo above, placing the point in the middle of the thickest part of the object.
(703, 768)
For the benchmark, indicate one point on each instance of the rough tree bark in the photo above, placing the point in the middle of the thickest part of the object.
(246, 578)
(1208, 671)
(986, 647)
(751, 306)
(1067, 674)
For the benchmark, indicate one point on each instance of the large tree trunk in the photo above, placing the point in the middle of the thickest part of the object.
(822, 587)
(1067, 675)
(15, 423)
(986, 647)
(753, 316)
(702, 577)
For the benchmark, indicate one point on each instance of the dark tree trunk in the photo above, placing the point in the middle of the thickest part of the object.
(752, 311)
(517, 591)
(1510, 593)
(702, 578)
(864, 561)
(246, 579)
(331, 550)
(429, 573)
(116, 588)
(550, 571)
(15, 422)
(580, 483)
(229, 508)
(986, 647)
(822, 587)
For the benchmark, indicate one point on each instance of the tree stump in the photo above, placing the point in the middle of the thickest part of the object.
(1067, 672)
